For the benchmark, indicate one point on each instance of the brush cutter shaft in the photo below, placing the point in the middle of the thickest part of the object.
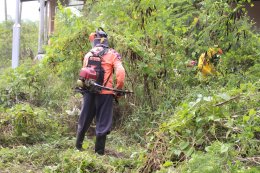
(81, 88)
(112, 89)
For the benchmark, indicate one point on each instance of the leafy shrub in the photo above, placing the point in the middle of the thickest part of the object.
(33, 157)
(26, 124)
(228, 117)
(34, 84)
(28, 43)
(218, 158)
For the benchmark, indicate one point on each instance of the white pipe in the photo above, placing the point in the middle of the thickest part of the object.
(41, 28)
(5, 11)
(20, 13)
(46, 22)
(16, 37)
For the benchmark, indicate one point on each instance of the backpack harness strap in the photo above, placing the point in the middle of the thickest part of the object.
(97, 64)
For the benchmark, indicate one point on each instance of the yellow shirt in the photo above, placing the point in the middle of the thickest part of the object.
(205, 67)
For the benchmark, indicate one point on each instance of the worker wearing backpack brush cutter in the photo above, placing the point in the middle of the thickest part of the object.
(96, 84)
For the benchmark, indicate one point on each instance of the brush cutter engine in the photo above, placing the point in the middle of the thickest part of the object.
(87, 77)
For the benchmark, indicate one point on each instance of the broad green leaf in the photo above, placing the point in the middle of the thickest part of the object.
(252, 112)
(167, 164)
(224, 148)
(208, 99)
(184, 144)
(25, 135)
(246, 118)
(177, 152)
(224, 96)
(189, 151)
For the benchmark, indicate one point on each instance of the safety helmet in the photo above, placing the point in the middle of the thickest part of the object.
(100, 38)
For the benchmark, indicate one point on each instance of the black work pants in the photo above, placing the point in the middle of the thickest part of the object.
(99, 105)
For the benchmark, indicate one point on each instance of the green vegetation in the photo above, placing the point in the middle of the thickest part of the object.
(29, 39)
(176, 121)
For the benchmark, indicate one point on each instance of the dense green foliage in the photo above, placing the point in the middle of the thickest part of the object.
(29, 39)
(176, 121)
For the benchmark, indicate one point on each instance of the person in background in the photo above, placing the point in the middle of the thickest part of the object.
(207, 61)
(100, 105)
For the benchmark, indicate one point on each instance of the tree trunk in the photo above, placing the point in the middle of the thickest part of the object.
(147, 92)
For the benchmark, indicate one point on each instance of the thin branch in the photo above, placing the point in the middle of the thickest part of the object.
(255, 160)
(222, 103)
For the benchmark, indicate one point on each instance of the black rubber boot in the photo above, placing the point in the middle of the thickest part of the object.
(79, 142)
(100, 144)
